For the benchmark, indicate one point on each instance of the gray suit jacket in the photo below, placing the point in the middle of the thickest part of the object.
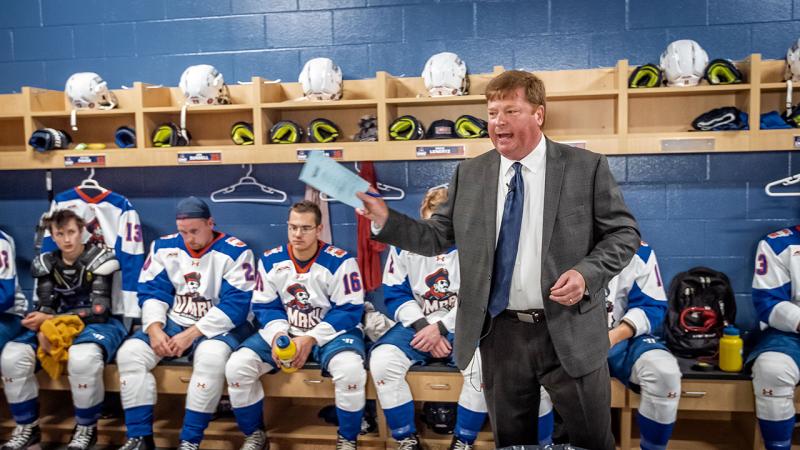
(586, 227)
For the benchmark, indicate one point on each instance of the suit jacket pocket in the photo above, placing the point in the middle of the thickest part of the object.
(588, 304)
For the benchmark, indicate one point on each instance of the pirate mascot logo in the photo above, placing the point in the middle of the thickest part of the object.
(192, 304)
(302, 314)
(438, 296)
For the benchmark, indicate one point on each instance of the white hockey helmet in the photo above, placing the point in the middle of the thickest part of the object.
(321, 79)
(445, 74)
(793, 62)
(203, 84)
(88, 90)
(684, 63)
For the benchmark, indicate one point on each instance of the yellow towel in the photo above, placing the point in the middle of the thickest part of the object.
(60, 331)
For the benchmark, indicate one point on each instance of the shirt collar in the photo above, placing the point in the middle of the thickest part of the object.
(534, 161)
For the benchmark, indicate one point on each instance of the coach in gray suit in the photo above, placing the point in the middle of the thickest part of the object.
(541, 228)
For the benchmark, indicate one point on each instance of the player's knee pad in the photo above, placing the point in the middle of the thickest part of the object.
(389, 365)
(659, 377)
(349, 380)
(135, 360)
(208, 376)
(775, 376)
(85, 369)
(18, 362)
(243, 373)
(545, 402)
(471, 396)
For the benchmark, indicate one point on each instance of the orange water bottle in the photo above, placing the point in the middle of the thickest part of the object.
(286, 351)
(730, 350)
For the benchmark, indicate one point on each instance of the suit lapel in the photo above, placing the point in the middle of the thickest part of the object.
(490, 174)
(554, 174)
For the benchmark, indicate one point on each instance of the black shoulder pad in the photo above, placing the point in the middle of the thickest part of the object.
(100, 261)
(42, 265)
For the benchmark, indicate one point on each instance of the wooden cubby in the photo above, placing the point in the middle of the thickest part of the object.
(591, 108)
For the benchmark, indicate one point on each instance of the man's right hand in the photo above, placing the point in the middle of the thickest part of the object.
(375, 208)
(159, 341)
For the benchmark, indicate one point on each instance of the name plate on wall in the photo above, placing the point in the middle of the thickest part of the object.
(85, 161)
(688, 145)
(200, 158)
(433, 151)
(333, 153)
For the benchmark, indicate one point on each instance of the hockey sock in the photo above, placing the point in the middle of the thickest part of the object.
(401, 420)
(194, 425)
(545, 430)
(88, 416)
(349, 423)
(25, 412)
(468, 424)
(777, 434)
(654, 435)
(250, 418)
(139, 421)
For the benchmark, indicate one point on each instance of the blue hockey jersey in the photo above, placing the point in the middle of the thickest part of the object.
(637, 294)
(776, 282)
(323, 298)
(210, 288)
(112, 222)
(12, 300)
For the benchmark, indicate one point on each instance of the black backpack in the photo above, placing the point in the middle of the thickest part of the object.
(701, 304)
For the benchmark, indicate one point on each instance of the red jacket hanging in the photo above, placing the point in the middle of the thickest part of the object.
(369, 251)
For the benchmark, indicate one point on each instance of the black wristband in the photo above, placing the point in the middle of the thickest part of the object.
(420, 324)
(442, 329)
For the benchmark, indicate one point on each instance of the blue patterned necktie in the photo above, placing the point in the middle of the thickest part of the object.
(505, 255)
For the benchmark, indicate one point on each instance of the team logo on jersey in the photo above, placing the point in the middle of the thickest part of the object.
(95, 233)
(337, 252)
(438, 295)
(192, 304)
(302, 314)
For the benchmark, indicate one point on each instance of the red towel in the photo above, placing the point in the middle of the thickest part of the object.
(369, 251)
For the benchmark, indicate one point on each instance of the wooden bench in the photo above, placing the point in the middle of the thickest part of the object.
(716, 411)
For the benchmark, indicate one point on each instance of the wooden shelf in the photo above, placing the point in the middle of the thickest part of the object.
(313, 104)
(688, 90)
(592, 108)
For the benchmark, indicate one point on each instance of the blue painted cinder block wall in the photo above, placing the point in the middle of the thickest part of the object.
(706, 209)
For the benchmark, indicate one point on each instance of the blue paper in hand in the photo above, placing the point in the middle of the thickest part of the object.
(333, 179)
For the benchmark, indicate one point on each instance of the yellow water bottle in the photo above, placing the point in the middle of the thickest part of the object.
(730, 350)
(286, 351)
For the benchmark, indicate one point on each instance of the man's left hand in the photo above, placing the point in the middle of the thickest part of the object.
(304, 345)
(425, 339)
(569, 288)
(183, 340)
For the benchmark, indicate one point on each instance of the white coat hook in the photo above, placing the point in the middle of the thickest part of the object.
(788, 181)
(73, 119)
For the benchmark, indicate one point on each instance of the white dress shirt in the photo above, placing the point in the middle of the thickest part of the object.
(526, 282)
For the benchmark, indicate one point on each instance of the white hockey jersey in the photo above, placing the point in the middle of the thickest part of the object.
(112, 222)
(637, 294)
(776, 283)
(323, 298)
(210, 288)
(12, 300)
(416, 287)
